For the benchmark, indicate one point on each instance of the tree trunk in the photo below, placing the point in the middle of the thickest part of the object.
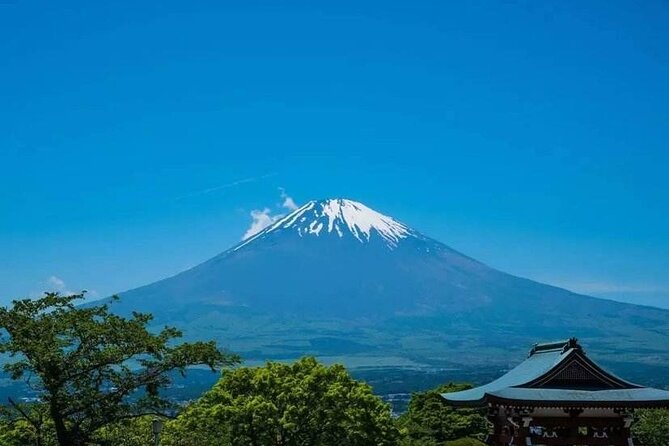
(62, 433)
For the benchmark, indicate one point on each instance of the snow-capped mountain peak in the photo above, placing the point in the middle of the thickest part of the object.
(340, 217)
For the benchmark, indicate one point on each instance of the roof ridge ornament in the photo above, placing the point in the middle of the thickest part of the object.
(564, 346)
(572, 343)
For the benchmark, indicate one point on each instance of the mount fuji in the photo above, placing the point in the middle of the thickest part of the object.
(340, 280)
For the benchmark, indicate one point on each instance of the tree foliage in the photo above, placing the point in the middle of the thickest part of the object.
(429, 421)
(303, 404)
(17, 430)
(93, 368)
(128, 432)
(652, 427)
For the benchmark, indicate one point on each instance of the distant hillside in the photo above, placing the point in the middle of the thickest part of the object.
(339, 280)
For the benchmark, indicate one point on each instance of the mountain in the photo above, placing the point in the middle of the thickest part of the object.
(340, 280)
(331, 258)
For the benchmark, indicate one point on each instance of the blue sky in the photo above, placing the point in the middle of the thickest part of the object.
(135, 140)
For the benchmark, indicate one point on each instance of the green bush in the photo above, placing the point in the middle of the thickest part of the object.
(652, 427)
(429, 421)
(303, 404)
(465, 442)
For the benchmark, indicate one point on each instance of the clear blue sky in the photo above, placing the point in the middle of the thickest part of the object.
(530, 135)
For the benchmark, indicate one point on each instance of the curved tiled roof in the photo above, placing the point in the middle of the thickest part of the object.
(559, 373)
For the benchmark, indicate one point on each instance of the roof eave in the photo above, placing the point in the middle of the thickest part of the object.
(582, 404)
(464, 403)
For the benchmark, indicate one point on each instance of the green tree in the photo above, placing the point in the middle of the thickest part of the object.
(128, 432)
(18, 433)
(303, 404)
(429, 421)
(26, 424)
(93, 368)
(652, 427)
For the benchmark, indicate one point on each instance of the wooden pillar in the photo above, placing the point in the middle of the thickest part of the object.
(493, 417)
(502, 431)
(626, 431)
(523, 438)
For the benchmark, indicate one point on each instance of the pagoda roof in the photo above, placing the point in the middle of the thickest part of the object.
(560, 374)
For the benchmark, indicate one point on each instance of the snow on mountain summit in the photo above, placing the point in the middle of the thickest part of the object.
(341, 217)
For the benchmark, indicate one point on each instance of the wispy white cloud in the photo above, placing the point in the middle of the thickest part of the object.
(55, 283)
(262, 218)
(288, 201)
(653, 294)
(226, 186)
(605, 287)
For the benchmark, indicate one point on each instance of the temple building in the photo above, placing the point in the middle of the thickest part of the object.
(559, 396)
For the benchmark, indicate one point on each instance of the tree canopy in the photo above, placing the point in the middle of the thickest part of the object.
(90, 367)
(303, 404)
(429, 421)
(652, 427)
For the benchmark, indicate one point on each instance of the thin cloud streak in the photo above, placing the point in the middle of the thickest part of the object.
(226, 186)
(602, 287)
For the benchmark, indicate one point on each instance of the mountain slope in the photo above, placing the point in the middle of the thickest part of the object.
(340, 279)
